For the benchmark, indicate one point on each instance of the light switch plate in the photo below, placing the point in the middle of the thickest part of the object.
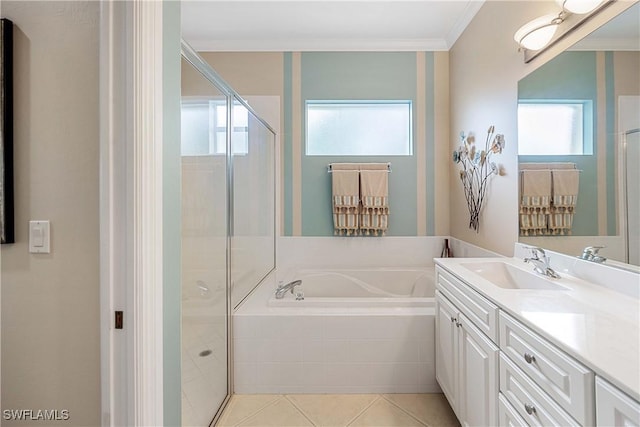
(39, 237)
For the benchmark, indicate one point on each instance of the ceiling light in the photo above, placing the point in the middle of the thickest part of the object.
(538, 33)
(579, 6)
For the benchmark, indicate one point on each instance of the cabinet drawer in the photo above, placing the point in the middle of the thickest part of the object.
(533, 405)
(613, 407)
(478, 309)
(568, 382)
(508, 416)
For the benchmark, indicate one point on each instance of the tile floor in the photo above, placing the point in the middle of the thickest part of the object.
(364, 410)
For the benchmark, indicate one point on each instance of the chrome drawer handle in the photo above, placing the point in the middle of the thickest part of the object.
(529, 358)
(530, 409)
(453, 319)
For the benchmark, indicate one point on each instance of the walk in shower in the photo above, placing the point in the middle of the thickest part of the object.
(228, 228)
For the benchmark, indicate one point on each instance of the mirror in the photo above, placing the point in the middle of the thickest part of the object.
(578, 121)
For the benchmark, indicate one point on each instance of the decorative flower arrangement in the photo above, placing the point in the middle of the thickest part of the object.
(477, 167)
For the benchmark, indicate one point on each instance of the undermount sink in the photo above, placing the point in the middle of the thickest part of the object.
(507, 276)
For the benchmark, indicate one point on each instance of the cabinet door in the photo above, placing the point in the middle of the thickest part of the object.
(613, 407)
(478, 381)
(446, 348)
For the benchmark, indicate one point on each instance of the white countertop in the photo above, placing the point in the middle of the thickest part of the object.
(597, 326)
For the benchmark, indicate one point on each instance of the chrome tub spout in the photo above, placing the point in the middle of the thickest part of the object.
(282, 289)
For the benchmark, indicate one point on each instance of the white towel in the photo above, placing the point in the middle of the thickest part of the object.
(374, 188)
(345, 200)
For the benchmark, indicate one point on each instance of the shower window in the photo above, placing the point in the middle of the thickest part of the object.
(359, 128)
(555, 128)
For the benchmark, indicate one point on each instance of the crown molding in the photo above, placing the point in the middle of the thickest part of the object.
(465, 19)
(316, 45)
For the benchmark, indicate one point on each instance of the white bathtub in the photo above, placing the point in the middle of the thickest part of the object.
(356, 331)
(351, 288)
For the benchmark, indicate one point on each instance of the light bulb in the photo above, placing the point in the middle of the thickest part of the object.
(579, 6)
(536, 34)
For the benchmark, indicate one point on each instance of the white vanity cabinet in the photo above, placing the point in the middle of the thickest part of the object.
(613, 407)
(466, 358)
(534, 369)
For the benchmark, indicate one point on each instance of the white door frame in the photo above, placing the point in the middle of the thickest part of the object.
(131, 212)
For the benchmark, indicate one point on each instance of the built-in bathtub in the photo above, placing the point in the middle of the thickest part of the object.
(355, 331)
(350, 288)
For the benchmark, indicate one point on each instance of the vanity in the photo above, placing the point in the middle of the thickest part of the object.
(514, 347)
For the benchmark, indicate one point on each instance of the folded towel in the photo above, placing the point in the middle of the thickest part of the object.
(565, 187)
(564, 198)
(374, 188)
(535, 200)
(373, 166)
(344, 167)
(535, 190)
(345, 198)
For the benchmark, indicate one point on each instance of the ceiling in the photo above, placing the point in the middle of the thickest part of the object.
(317, 25)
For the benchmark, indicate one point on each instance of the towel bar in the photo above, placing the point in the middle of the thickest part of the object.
(329, 170)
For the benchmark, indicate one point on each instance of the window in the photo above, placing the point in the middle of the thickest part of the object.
(359, 128)
(204, 126)
(555, 128)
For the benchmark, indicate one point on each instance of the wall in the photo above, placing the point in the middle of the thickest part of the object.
(418, 205)
(50, 302)
(485, 69)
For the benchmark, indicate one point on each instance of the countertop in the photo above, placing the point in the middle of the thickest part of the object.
(595, 325)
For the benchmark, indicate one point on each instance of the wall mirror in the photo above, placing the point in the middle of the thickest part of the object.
(578, 140)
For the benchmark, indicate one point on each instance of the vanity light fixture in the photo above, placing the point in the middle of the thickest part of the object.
(535, 35)
(579, 6)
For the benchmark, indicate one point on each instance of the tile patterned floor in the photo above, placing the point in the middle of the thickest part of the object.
(338, 410)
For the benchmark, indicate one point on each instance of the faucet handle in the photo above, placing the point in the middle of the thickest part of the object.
(593, 249)
(537, 252)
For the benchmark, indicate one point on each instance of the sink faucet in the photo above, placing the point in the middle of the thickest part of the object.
(540, 262)
(590, 253)
(282, 289)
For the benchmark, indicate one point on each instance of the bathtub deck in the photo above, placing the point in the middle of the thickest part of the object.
(338, 410)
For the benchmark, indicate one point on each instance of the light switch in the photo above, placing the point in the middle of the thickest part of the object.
(39, 237)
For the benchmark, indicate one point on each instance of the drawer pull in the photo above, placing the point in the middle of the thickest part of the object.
(453, 319)
(530, 409)
(529, 358)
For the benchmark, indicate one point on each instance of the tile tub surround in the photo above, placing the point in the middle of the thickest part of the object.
(332, 350)
(592, 323)
(339, 410)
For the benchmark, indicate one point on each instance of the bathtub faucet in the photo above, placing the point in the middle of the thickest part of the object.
(282, 289)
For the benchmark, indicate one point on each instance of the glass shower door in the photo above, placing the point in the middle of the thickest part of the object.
(252, 239)
(204, 248)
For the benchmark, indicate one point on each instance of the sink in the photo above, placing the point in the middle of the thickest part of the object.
(507, 276)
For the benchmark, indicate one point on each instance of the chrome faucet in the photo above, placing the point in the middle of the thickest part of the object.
(282, 289)
(590, 253)
(540, 262)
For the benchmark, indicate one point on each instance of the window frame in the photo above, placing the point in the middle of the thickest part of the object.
(587, 145)
(355, 102)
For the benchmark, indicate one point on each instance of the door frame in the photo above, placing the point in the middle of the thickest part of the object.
(131, 216)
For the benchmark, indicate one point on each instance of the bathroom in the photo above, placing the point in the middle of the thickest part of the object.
(469, 87)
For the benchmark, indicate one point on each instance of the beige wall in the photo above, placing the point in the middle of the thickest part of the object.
(485, 69)
(50, 302)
